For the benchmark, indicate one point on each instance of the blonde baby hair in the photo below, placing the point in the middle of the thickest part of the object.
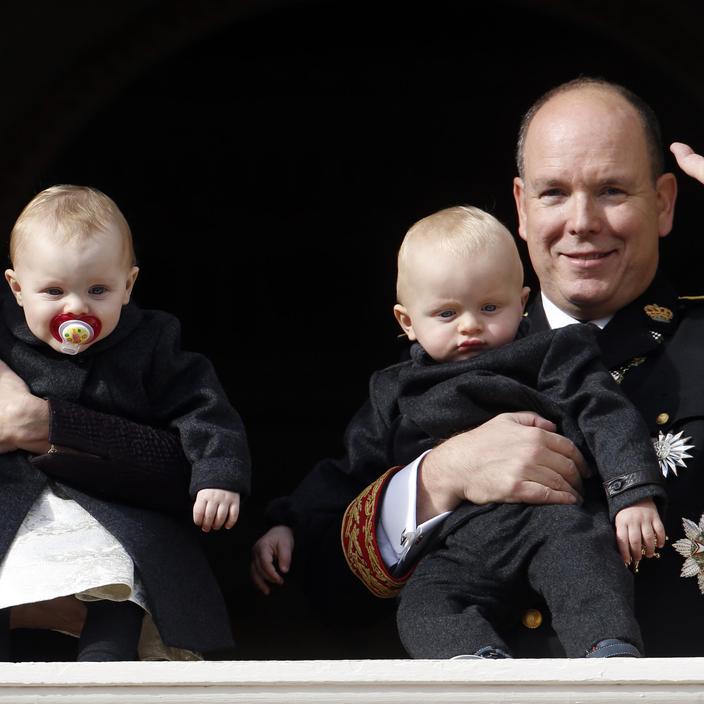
(72, 212)
(462, 230)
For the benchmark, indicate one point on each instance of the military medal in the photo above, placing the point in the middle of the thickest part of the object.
(658, 313)
(671, 451)
(692, 549)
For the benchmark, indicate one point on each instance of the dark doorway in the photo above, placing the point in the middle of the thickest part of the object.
(270, 170)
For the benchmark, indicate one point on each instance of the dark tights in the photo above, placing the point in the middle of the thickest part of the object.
(111, 631)
(5, 635)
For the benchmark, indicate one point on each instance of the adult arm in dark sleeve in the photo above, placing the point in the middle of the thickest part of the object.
(91, 450)
(315, 508)
(118, 459)
(332, 483)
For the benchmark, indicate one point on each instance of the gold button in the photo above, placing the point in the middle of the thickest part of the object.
(662, 418)
(532, 618)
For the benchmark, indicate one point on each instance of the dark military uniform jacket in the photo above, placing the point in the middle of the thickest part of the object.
(654, 348)
(140, 373)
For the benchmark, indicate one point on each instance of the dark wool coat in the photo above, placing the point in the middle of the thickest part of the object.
(138, 372)
(469, 582)
(415, 404)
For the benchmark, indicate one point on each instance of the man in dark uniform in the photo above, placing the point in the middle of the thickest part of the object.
(592, 202)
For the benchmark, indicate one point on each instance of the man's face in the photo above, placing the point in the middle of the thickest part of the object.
(587, 204)
(83, 278)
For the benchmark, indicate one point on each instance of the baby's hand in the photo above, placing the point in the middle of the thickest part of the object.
(215, 508)
(639, 531)
(273, 549)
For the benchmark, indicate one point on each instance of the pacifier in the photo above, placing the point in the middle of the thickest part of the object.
(73, 331)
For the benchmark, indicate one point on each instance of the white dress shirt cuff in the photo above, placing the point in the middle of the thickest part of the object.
(397, 531)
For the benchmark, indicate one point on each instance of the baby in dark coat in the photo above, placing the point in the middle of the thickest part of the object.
(461, 299)
(72, 333)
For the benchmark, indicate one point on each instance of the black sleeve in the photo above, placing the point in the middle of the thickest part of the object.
(115, 458)
(116, 439)
(187, 396)
(327, 490)
(612, 427)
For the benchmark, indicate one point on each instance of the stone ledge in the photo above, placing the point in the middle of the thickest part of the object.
(668, 681)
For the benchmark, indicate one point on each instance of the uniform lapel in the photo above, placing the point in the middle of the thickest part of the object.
(636, 331)
(639, 329)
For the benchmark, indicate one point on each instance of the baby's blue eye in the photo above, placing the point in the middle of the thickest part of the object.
(489, 308)
(97, 290)
(54, 291)
(446, 313)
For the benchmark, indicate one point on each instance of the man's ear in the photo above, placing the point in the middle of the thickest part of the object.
(524, 296)
(15, 287)
(519, 195)
(666, 188)
(404, 320)
(131, 278)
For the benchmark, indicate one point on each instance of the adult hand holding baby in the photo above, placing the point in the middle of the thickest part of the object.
(24, 418)
(515, 458)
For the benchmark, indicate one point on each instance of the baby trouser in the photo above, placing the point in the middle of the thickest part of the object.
(468, 584)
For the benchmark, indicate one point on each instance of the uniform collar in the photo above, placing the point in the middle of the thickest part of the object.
(642, 326)
(634, 331)
(557, 318)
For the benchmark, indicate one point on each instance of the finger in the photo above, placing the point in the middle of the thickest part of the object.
(681, 150)
(536, 493)
(690, 162)
(635, 542)
(532, 419)
(624, 548)
(198, 511)
(648, 539)
(659, 529)
(220, 515)
(556, 471)
(208, 516)
(265, 562)
(232, 515)
(258, 581)
(284, 557)
(540, 483)
(565, 447)
(558, 455)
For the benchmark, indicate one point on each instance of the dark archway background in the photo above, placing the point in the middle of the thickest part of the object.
(269, 157)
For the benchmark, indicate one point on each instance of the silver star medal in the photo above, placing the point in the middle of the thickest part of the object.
(692, 549)
(671, 451)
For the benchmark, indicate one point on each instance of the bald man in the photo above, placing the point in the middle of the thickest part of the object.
(593, 201)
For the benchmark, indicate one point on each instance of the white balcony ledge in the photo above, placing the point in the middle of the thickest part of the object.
(668, 681)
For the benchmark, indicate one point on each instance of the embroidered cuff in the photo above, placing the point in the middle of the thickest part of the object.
(359, 543)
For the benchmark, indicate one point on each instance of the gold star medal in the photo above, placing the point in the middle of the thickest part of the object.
(692, 549)
(671, 451)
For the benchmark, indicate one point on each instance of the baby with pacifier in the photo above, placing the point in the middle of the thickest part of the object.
(70, 332)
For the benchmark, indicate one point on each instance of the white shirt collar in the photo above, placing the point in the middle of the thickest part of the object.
(558, 318)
